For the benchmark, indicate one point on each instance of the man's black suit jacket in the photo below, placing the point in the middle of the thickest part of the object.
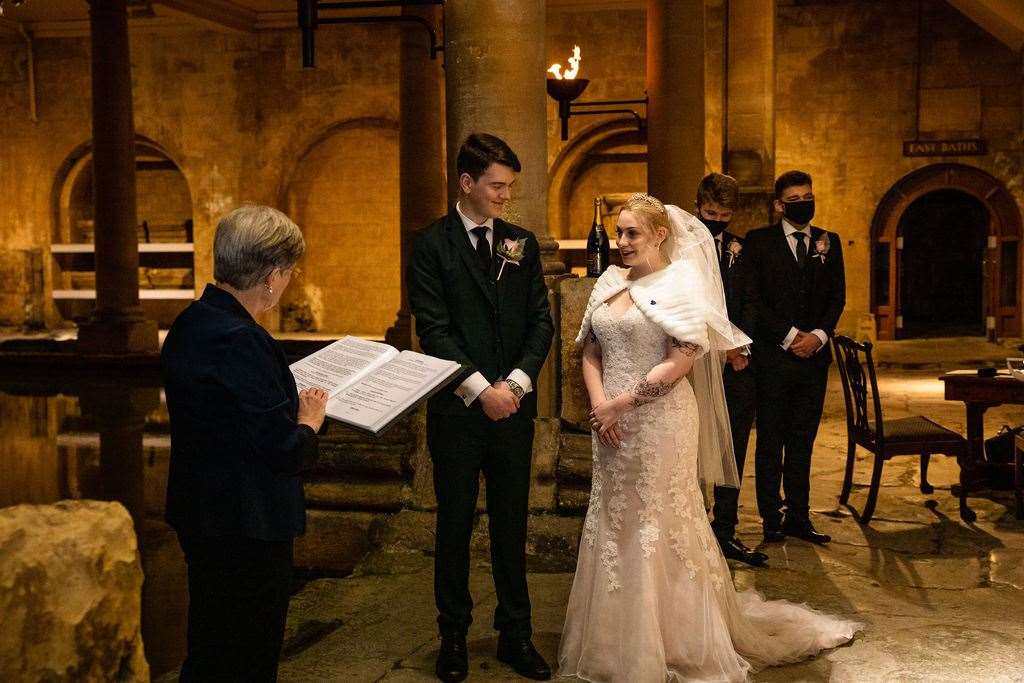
(464, 314)
(741, 308)
(236, 448)
(785, 296)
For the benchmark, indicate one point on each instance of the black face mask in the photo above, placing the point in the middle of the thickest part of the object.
(800, 212)
(716, 227)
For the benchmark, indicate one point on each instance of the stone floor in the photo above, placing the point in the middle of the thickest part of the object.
(943, 600)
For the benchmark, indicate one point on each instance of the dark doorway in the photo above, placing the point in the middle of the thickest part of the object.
(945, 234)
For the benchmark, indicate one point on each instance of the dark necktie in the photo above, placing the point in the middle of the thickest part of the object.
(483, 247)
(801, 248)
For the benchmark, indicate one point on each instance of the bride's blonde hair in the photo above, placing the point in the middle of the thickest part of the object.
(650, 214)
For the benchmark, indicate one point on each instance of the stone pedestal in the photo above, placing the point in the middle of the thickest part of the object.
(117, 325)
(675, 88)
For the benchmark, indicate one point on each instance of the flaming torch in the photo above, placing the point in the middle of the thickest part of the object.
(564, 87)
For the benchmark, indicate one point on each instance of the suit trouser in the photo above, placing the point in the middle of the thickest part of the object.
(741, 399)
(461, 448)
(238, 602)
(790, 399)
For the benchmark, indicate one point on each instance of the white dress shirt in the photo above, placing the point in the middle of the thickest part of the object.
(790, 230)
(475, 384)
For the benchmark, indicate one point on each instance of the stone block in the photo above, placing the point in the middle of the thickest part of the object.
(574, 295)
(355, 495)
(70, 594)
(334, 541)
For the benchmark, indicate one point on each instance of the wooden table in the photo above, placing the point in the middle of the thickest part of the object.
(978, 394)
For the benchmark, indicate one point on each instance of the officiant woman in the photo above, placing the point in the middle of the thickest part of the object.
(240, 436)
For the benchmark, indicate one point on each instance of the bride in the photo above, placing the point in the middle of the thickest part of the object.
(652, 599)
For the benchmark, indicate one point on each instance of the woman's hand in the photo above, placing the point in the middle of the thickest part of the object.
(604, 420)
(312, 407)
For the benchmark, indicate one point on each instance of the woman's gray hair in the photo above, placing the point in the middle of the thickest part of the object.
(252, 241)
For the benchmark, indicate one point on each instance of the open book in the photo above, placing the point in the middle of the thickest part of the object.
(370, 384)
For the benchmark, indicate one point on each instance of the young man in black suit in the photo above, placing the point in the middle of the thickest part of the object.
(796, 281)
(477, 291)
(717, 197)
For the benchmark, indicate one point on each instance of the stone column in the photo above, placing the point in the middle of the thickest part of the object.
(117, 325)
(119, 415)
(495, 82)
(421, 150)
(675, 88)
(750, 109)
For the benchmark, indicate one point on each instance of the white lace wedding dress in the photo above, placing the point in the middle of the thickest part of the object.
(653, 599)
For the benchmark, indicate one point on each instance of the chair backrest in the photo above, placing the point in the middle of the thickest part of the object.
(857, 377)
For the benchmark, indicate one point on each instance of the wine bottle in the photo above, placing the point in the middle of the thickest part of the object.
(597, 244)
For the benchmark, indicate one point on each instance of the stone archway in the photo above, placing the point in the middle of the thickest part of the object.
(1000, 279)
(343, 194)
(164, 210)
(600, 145)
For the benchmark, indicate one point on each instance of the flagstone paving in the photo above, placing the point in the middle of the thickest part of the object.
(942, 600)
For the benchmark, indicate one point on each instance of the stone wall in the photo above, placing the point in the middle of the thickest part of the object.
(845, 102)
(237, 114)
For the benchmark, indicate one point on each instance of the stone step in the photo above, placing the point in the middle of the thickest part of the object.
(363, 459)
(375, 495)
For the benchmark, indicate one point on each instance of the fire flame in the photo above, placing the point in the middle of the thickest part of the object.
(574, 66)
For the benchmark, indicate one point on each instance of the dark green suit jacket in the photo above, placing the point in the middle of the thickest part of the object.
(464, 314)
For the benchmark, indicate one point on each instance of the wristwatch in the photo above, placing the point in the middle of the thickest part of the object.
(517, 390)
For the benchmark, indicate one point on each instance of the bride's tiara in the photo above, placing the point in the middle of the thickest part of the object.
(647, 200)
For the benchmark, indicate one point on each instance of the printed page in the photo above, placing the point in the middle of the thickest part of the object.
(341, 364)
(387, 391)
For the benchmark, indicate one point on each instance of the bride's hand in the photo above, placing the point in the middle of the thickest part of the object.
(612, 437)
(605, 416)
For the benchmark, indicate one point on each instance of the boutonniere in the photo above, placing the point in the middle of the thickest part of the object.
(511, 251)
(821, 247)
(734, 248)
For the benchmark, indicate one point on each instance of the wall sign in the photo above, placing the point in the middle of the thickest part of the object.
(942, 148)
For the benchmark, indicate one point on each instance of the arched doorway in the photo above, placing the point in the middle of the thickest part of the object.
(343, 194)
(945, 234)
(165, 221)
(946, 256)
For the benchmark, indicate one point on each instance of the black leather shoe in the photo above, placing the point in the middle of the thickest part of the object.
(453, 659)
(772, 535)
(521, 655)
(734, 549)
(804, 530)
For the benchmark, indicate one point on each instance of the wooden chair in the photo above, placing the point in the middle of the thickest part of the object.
(915, 435)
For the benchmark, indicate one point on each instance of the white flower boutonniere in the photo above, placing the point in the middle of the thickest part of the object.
(821, 247)
(511, 251)
(734, 247)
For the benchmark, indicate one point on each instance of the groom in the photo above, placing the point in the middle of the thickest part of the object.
(478, 295)
(796, 280)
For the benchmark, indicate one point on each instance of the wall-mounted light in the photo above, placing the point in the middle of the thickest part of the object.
(564, 86)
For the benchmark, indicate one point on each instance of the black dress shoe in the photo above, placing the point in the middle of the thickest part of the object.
(774, 535)
(734, 549)
(805, 530)
(521, 655)
(453, 659)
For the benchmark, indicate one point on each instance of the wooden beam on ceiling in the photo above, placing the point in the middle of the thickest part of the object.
(217, 14)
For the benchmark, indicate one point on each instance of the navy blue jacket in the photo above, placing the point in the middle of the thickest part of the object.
(236, 448)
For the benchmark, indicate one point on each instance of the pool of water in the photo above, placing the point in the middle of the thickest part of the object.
(109, 443)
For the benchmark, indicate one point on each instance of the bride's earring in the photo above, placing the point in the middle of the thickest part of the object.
(270, 290)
